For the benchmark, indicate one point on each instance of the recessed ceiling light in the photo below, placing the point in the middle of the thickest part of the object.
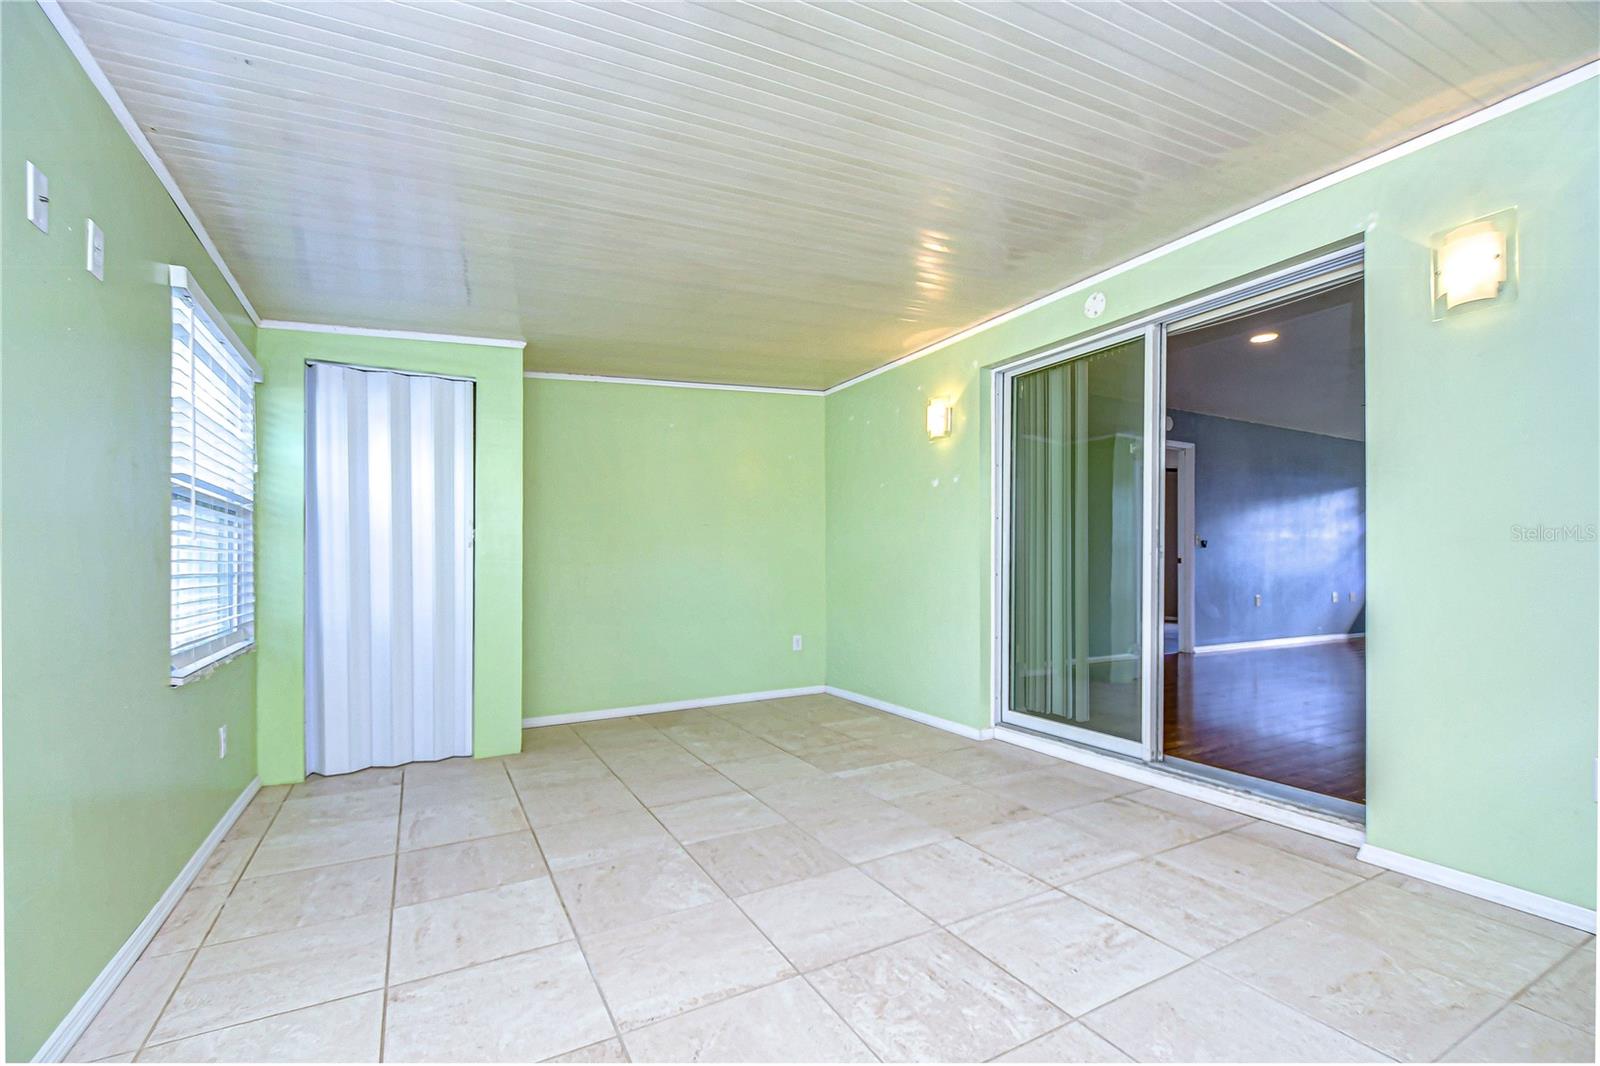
(1263, 338)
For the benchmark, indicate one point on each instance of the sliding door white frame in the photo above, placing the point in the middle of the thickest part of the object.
(1003, 379)
(1309, 275)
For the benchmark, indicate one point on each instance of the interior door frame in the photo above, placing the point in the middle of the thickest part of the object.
(1315, 271)
(309, 365)
(1183, 452)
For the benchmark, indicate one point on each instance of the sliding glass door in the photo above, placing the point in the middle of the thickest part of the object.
(1074, 625)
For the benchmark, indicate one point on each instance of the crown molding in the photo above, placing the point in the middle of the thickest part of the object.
(392, 334)
(1416, 144)
(80, 51)
(548, 375)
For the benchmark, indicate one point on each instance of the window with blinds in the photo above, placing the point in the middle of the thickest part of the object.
(213, 486)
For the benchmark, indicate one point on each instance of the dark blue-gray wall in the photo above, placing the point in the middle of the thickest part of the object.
(1283, 514)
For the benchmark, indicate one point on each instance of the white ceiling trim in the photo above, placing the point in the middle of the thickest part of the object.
(548, 375)
(80, 52)
(1434, 136)
(76, 45)
(392, 334)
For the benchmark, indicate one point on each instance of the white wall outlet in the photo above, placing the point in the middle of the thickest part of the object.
(1335, 597)
(38, 198)
(222, 742)
(1258, 599)
(95, 250)
(797, 643)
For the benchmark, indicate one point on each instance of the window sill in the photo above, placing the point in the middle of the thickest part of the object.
(210, 664)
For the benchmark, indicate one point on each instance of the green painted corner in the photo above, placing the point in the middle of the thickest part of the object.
(280, 531)
(639, 544)
(674, 544)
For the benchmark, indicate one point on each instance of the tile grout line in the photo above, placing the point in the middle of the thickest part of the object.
(1391, 878)
(265, 1017)
(804, 975)
(727, 896)
(233, 885)
(937, 925)
(323, 866)
(945, 927)
(1470, 1033)
(388, 944)
(1071, 1021)
(1064, 889)
(239, 878)
(1190, 960)
(1203, 961)
(731, 898)
(1512, 1001)
(1061, 889)
(555, 886)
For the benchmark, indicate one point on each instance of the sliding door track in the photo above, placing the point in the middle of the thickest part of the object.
(1342, 809)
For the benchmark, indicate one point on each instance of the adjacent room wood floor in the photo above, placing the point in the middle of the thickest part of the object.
(1295, 715)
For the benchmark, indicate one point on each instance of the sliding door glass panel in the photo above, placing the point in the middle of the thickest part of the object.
(1077, 522)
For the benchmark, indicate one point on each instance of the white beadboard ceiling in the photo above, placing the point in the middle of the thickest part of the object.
(763, 193)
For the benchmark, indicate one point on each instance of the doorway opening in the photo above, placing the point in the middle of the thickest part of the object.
(1270, 398)
(1180, 539)
(389, 565)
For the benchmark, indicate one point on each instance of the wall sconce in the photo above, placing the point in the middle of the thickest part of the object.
(1474, 262)
(941, 417)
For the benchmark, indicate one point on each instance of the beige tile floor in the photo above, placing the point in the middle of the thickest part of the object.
(808, 879)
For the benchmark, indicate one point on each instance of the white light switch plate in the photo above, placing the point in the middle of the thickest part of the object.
(38, 198)
(95, 252)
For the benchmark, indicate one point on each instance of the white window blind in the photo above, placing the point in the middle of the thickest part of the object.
(213, 484)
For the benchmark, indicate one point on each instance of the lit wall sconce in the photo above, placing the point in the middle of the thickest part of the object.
(941, 417)
(1475, 262)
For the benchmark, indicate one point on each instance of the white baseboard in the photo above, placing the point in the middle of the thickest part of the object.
(752, 697)
(1279, 642)
(675, 705)
(59, 1044)
(1218, 795)
(916, 716)
(1265, 809)
(1482, 887)
(1330, 828)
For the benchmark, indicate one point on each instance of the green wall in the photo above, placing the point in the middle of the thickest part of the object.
(676, 539)
(1481, 647)
(674, 544)
(111, 776)
(280, 532)
(908, 542)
